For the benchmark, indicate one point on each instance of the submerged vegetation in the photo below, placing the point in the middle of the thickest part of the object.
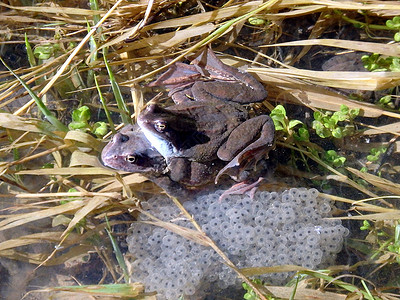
(80, 70)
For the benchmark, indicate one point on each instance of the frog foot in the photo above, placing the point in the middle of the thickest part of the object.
(242, 188)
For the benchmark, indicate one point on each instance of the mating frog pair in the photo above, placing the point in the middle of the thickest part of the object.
(204, 135)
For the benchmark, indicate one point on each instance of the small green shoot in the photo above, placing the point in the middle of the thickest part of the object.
(395, 25)
(383, 239)
(80, 121)
(386, 101)
(250, 294)
(118, 253)
(394, 247)
(281, 122)
(29, 52)
(375, 153)
(125, 115)
(44, 52)
(375, 63)
(256, 21)
(328, 124)
(333, 159)
(105, 108)
(378, 63)
(366, 225)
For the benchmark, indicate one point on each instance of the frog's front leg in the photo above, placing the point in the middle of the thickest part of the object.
(192, 173)
(246, 145)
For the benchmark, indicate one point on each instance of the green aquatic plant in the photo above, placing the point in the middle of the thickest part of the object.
(338, 124)
(384, 238)
(395, 25)
(375, 153)
(378, 63)
(282, 123)
(80, 121)
(250, 294)
(334, 159)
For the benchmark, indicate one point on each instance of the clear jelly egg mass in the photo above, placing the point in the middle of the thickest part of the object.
(290, 227)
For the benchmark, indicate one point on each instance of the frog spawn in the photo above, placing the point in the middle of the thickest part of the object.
(272, 229)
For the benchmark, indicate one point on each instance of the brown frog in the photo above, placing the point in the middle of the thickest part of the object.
(187, 144)
(214, 125)
(204, 131)
(130, 151)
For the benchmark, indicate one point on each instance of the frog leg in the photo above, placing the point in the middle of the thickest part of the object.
(225, 82)
(178, 74)
(255, 150)
(242, 188)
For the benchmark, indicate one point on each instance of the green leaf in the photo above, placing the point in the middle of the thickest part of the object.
(385, 99)
(344, 108)
(293, 123)
(278, 110)
(337, 133)
(279, 124)
(117, 252)
(125, 115)
(318, 115)
(354, 112)
(255, 21)
(78, 125)
(81, 114)
(278, 115)
(394, 23)
(372, 158)
(365, 226)
(396, 37)
(395, 65)
(339, 162)
(331, 123)
(43, 52)
(303, 135)
(100, 129)
(330, 155)
(320, 129)
(29, 52)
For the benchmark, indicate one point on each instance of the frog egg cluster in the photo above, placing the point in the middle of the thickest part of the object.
(290, 227)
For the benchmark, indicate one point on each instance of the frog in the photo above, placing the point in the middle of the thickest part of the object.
(130, 151)
(207, 121)
(208, 131)
(208, 78)
(184, 146)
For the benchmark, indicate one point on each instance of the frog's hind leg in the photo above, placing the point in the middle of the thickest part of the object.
(259, 136)
(242, 188)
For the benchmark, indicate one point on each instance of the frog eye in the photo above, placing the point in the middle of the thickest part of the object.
(160, 126)
(130, 158)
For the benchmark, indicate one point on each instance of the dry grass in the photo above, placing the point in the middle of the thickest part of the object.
(138, 36)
